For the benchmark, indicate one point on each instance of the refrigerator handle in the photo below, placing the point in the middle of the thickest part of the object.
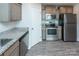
(65, 20)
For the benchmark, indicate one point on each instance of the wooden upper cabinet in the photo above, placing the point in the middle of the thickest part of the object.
(15, 11)
(68, 9)
(62, 10)
(50, 9)
(10, 12)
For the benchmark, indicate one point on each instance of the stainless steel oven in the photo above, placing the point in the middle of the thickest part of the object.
(51, 34)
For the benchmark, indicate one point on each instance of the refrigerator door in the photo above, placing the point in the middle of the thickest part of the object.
(70, 32)
(70, 18)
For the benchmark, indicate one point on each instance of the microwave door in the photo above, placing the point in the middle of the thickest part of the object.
(48, 16)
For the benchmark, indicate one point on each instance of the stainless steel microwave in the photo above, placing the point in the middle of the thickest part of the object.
(50, 16)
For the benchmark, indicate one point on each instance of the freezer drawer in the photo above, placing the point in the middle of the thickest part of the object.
(70, 33)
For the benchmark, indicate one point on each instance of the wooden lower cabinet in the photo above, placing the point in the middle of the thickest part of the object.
(13, 50)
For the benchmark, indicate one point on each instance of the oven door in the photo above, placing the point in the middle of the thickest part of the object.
(51, 34)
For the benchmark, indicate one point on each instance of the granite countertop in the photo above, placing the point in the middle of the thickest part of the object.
(14, 34)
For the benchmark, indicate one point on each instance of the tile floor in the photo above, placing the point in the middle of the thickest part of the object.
(54, 48)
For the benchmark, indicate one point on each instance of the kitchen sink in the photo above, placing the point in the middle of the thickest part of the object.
(4, 41)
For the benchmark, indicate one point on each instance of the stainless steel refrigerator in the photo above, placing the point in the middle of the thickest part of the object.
(69, 27)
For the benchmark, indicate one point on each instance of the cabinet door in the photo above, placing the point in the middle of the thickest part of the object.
(4, 12)
(50, 10)
(13, 50)
(69, 9)
(15, 11)
(43, 34)
(59, 32)
(62, 10)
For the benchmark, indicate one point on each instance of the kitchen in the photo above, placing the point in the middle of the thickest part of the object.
(19, 33)
(54, 22)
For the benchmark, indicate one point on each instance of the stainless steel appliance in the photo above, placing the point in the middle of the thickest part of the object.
(51, 16)
(23, 44)
(69, 28)
(51, 33)
(49, 27)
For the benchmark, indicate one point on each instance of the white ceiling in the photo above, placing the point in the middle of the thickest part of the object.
(60, 4)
